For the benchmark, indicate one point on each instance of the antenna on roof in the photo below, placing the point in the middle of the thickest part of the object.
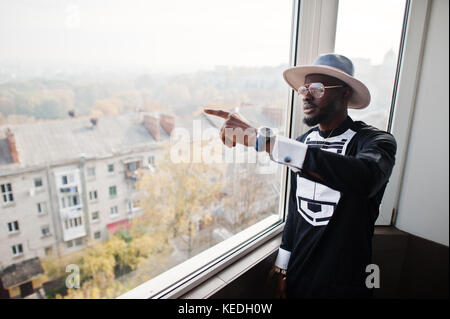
(94, 121)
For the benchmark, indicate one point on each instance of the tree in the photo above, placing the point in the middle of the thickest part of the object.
(249, 196)
(177, 197)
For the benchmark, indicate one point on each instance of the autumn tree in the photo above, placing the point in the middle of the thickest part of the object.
(177, 197)
(249, 196)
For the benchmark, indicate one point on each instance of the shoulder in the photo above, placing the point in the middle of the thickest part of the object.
(368, 134)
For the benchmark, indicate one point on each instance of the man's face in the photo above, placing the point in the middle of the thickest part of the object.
(323, 109)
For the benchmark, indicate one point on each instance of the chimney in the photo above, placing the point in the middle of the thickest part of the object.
(12, 146)
(167, 122)
(152, 124)
(94, 121)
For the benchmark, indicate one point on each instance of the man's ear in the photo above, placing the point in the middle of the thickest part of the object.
(347, 93)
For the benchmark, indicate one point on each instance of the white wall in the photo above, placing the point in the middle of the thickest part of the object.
(423, 208)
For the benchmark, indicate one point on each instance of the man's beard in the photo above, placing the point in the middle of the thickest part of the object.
(313, 121)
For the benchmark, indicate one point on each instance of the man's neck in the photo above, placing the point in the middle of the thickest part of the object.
(333, 123)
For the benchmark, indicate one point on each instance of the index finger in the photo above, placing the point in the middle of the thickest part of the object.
(219, 113)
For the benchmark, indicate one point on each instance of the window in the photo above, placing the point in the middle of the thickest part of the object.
(110, 168)
(133, 205)
(41, 208)
(374, 50)
(17, 250)
(73, 222)
(72, 200)
(97, 235)
(131, 167)
(114, 211)
(67, 179)
(112, 191)
(91, 172)
(243, 73)
(38, 182)
(48, 251)
(93, 195)
(7, 193)
(45, 231)
(95, 216)
(69, 244)
(13, 227)
(79, 241)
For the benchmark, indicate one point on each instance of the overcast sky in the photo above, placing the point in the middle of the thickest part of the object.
(178, 35)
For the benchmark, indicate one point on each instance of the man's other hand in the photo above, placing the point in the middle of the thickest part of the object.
(234, 130)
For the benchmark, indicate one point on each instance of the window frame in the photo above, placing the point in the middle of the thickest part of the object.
(314, 26)
(13, 227)
(8, 194)
(16, 248)
(41, 208)
(321, 15)
(46, 234)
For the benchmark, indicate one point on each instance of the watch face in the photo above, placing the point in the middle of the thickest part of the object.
(267, 132)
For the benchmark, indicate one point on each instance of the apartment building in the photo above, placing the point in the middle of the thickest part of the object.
(65, 181)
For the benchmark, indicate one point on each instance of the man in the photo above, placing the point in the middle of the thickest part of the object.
(338, 171)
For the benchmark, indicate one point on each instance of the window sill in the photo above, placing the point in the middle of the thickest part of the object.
(230, 273)
(10, 204)
(13, 233)
(203, 268)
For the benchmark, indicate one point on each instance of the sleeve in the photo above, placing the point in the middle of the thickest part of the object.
(289, 152)
(364, 173)
(284, 252)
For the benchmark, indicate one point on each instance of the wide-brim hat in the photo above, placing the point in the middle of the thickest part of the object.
(334, 65)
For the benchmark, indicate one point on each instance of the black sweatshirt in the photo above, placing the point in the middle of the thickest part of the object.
(327, 239)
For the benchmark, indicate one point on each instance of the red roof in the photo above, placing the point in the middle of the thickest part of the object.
(121, 224)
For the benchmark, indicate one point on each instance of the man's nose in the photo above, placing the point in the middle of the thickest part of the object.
(307, 98)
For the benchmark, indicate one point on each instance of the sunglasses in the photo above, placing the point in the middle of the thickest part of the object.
(317, 90)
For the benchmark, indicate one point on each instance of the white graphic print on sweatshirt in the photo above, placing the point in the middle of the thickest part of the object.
(317, 202)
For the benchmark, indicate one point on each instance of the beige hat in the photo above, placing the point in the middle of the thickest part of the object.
(334, 65)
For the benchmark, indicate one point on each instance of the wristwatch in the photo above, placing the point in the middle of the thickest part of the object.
(263, 136)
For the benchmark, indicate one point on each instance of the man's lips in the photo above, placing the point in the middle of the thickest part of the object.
(308, 108)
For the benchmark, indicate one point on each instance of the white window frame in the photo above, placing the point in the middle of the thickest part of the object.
(94, 220)
(317, 34)
(114, 211)
(6, 194)
(12, 229)
(69, 244)
(48, 234)
(90, 172)
(314, 27)
(34, 183)
(41, 208)
(93, 195)
(16, 249)
(109, 191)
(113, 169)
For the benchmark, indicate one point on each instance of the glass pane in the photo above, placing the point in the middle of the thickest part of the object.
(97, 82)
(369, 33)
